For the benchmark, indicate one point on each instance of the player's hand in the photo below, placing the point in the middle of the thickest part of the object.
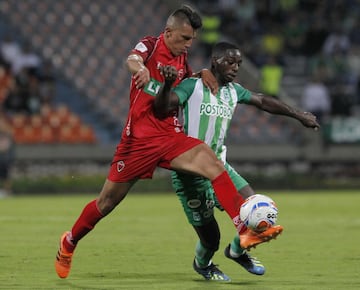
(169, 72)
(209, 81)
(142, 77)
(309, 120)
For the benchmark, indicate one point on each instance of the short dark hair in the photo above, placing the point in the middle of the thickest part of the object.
(221, 47)
(186, 13)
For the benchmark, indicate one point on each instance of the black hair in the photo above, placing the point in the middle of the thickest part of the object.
(221, 47)
(188, 14)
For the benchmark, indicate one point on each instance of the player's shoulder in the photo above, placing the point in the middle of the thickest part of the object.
(145, 45)
(236, 86)
(149, 38)
(194, 79)
(243, 94)
(188, 84)
(148, 41)
(191, 80)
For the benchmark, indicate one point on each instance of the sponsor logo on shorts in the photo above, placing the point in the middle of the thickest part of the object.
(196, 216)
(210, 203)
(120, 165)
(194, 203)
(208, 213)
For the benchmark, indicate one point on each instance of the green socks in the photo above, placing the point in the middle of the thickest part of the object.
(235, 249)
(202, 255)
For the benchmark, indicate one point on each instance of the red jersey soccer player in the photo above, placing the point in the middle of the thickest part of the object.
(148, 142)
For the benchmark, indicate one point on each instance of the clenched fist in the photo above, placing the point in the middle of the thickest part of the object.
(309, 120)
(169, 72)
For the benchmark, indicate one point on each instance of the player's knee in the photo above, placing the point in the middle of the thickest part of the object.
(213, 169)
(219, 165)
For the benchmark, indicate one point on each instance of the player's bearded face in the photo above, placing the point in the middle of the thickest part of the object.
(179, 40)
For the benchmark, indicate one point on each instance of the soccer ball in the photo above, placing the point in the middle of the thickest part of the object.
(258, 212)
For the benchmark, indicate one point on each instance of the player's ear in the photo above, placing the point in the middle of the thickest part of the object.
(167, 32)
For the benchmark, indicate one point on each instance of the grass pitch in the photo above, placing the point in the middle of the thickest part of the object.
(146, 243)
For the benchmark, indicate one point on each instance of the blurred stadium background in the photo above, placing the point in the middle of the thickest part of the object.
(64, 88)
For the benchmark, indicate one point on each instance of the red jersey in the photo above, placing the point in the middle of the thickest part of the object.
(146, 141)
(141, 121)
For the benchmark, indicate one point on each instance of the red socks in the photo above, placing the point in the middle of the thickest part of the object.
(224, 188)
(84, 224)
(228, 197)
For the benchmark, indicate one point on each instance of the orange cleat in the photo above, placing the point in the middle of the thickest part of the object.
(250, 239)
(63, 259)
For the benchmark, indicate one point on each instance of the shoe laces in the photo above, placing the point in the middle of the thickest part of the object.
(247, 258)
(213, 268)
(63, 258)
(213, 272)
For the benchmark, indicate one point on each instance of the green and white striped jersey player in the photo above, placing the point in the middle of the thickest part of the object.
(207, 116)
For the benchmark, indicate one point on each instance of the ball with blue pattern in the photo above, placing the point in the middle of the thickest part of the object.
(259, 212)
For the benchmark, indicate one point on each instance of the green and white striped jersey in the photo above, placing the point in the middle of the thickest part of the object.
(207, 117)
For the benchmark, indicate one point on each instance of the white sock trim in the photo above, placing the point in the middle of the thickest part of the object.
(197, 263)
(69, 238)
(234, 254)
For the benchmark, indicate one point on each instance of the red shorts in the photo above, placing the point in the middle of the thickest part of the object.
(138, 157)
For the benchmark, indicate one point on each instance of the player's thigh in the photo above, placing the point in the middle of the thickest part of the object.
(200, 160)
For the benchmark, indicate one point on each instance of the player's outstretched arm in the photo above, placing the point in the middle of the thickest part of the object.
(165, 101)
(275, 106)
